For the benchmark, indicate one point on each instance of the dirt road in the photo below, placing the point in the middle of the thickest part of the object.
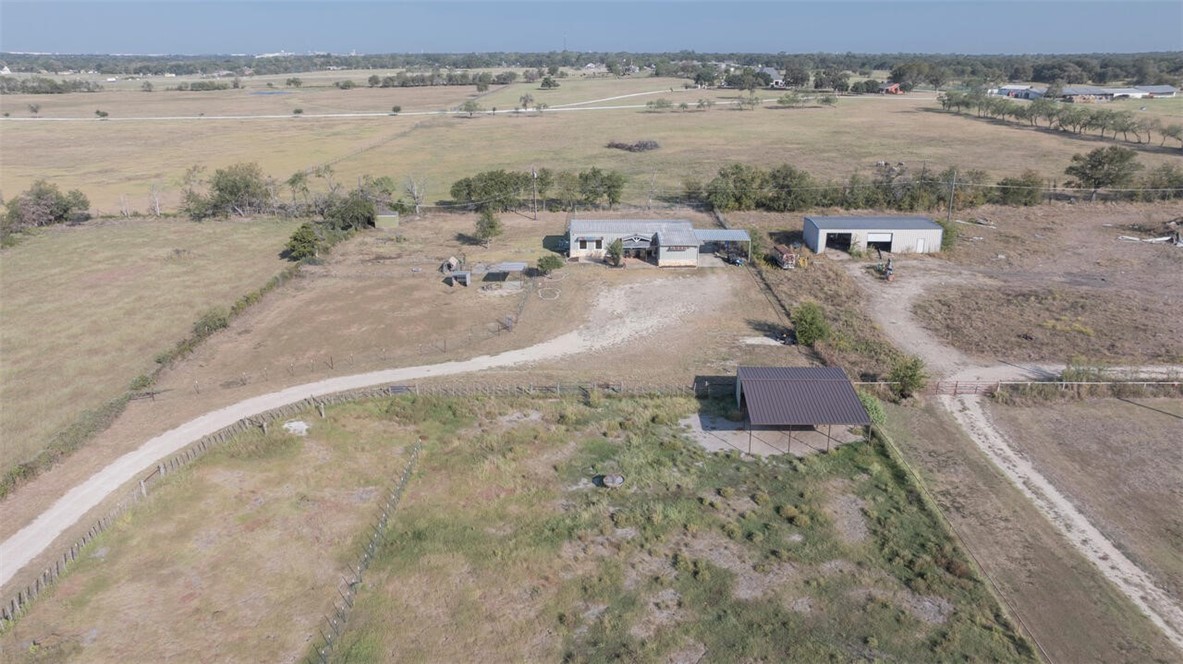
(650, 307)
(891, 307)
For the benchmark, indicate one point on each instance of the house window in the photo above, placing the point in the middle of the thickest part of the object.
(583, 244)
(599, 244)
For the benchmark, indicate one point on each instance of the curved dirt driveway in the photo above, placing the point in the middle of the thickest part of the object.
(671, 300)
(891, 308)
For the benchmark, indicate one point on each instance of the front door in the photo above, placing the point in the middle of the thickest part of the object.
(920, 246)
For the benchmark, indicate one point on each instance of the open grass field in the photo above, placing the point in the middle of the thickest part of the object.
(233, 559)
(504, 548)
(1067, 604)
(87, 308)
(1118, 460)
(128, 155)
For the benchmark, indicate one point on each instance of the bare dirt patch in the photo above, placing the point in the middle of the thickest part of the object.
(848, 514)
(1061, 285)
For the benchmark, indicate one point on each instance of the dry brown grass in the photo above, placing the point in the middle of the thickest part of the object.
(1064, 286)
(238, 555)
(829, 142)
(1118, 462)
(86, 309)
(1069, 606)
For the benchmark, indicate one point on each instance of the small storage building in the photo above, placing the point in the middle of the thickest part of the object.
(898, 235)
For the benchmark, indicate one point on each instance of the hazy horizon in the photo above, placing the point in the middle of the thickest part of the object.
(995, 27)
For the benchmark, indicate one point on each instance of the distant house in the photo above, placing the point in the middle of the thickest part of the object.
(777, 80)
(890, 89)
(1017, 91)
(1158, 91)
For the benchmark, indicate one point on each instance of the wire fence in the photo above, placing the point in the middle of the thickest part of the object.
(702, 387)
(336, 619)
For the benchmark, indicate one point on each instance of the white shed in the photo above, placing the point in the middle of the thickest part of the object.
(899, 235)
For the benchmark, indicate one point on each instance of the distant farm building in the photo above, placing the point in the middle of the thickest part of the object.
(900, 235)
(789, 399)
(890, 89)
(672, 243)
(1158, 91)
(775, 78)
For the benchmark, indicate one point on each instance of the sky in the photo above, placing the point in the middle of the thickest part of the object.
(861, 26)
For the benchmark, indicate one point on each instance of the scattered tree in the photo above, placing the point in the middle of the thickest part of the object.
(526, 101)
(1113, 166)
(297, 111)
(416, 188)
(42, 205)
(471, 107)
(549, 83)
(488, 226)
(102, 115)
(294, 82)
(147, 86)
(34, 108)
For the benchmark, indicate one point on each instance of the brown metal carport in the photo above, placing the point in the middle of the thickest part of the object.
(798, 396)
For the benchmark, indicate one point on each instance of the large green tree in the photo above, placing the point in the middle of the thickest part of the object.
(1113, 166)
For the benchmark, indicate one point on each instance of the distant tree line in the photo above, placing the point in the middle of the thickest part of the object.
(786, 188)
(40, 85)
(501, 190)
(1074, 118)
(1100, 68)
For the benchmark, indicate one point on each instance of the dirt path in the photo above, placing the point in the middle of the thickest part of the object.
(1137, 585)
(650, 306)
(891, 308)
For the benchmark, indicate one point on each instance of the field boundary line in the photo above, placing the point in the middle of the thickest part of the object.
(931, 503)
(1126, 576)
(349, 586)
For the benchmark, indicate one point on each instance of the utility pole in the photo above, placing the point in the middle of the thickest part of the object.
(952, 194)
(534, 181)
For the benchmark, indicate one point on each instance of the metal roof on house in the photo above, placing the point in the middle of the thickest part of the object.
(1158, 89)
(775, 74)
(795, 396)
(639, 226)
(722, 235)
(677, 237)
(873, 223)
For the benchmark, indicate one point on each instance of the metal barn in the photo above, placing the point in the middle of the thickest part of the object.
(898, 235)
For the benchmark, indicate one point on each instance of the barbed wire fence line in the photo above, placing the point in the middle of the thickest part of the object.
(336, 619)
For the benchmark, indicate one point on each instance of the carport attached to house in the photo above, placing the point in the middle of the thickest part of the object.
(903, 235)
(785, 398)
(725, 240)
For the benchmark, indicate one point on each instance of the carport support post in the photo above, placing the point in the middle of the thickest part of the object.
(829, 431)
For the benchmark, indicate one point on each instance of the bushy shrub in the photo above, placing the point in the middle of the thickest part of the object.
(810, 324)
(908, 376)
(873, 406)
(211, 321)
